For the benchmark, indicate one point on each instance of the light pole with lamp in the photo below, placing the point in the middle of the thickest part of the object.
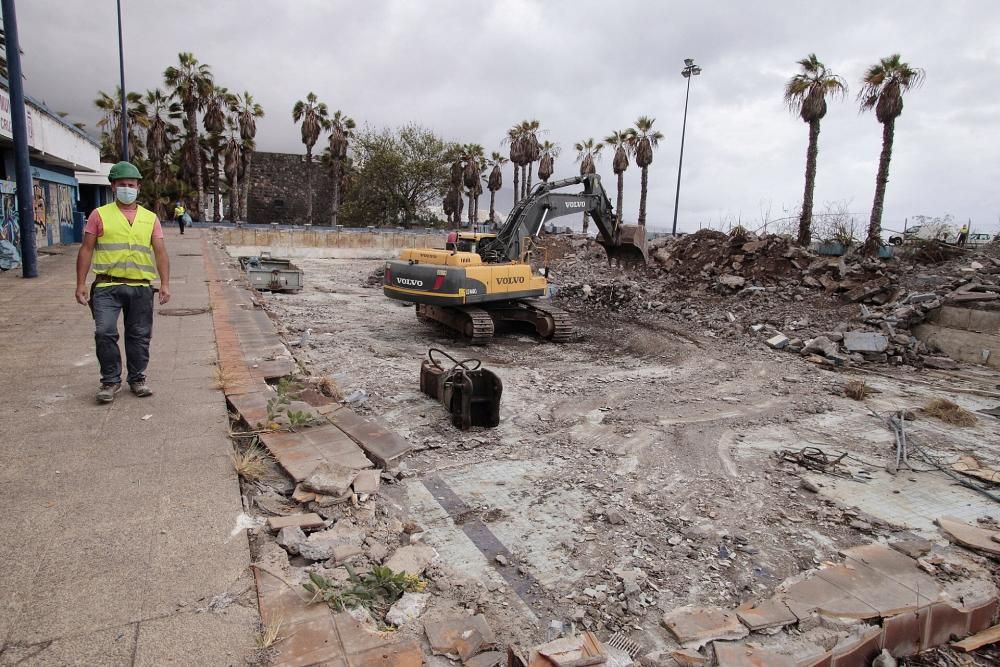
(121, 73)
(689, 69)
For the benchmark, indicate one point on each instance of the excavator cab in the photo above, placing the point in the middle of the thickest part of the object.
(630, 249)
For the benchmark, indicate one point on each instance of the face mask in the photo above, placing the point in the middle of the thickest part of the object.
(126, 195)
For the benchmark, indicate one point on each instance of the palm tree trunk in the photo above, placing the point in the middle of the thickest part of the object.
(530, 165)
(621, 196)
(217, 203)
(805, 220)
(642, 196)
(471, 209)
(234, 195)
(874, 240)
(335, 207)
(199, 178)
(493, 200)
(157, 205)
(246, 187)
(586, 223)
(524, 181)
(309, 186)
(516, 170)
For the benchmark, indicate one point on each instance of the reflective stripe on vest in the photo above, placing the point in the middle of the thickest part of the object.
(124, 250)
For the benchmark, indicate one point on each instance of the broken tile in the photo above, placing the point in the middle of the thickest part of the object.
(407, 608)
(988, 636)
(767, 614)
(859, 653)
(689, 658)
(905, 634)
(946, 624)
(322, 545)
(579, 651)
(461, 636)
(696, 626)
(738, 654)
(412, 559)
(816, 594)
(887, 596)
(382, 445)
(487, 659)
(330, 479)
(309, 520)
(367, 482)
(969, 536)
(982, 614)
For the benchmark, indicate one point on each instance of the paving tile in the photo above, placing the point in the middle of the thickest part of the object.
(905, 634)
(308, 643)
(357, 638)
(873, 588)
(816, 594)
(946, 624)
(696, 626)
(251, 407)
(982, 615)
(310, 520)
(822, 660)
(766, 614)
(897, 566)
(463, 636)
(860, 653)
(738, 654)
(382, 446)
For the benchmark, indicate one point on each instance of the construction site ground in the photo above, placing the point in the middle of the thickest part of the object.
(638, 467)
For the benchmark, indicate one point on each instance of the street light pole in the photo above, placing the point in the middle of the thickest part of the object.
(690, 69)
(121, 70)
(19, 127)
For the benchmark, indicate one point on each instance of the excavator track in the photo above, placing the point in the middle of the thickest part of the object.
(550, 323)
(472, 322)
(562, 323)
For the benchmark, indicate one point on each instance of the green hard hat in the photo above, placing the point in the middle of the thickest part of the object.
(124, 169)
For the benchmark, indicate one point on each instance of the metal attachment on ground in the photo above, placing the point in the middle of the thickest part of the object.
(270, 273)
(469, 392)
(814, 458)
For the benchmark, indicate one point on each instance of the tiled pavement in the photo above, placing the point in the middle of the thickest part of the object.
(116, 530)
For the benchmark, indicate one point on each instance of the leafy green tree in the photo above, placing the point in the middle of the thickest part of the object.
(882, 89)
(314, 117)
(644, 142)
(191, 83)
(805, 95)
(587, 153)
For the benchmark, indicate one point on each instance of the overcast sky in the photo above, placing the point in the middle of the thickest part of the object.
(469, 69)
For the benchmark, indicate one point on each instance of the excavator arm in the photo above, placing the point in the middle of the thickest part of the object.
(626, 243)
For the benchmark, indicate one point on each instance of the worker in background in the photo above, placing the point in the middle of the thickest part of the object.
(963, 235)
(179, 215)
(452, 242)
(123, 243)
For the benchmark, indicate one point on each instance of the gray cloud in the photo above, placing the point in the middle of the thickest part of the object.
(471, 69)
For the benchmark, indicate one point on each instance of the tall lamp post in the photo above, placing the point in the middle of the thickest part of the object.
(689, 69)
(121, 71)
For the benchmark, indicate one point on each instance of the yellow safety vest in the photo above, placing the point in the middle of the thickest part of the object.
(124, 250)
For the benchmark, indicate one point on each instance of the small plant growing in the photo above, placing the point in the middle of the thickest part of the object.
(270, 633)
(950, 412)
(299, 418)
(250, 464)
(857, 389)
(738, 233)
(375, 591)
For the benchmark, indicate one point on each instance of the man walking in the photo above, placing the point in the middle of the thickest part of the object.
(179, 215)
(121, 242)
(963, 235)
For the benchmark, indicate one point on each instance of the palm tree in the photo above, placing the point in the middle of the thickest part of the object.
(515, 139)
(340, 134)
(110, 123)
(532, 150)
(314, 117)
(621, 141)
(218, 104)
(159, 138)
(234, 153)
(495, 180)
(883, 87)
(546, 164)
(587, 153)
(472, 159)
(191, 83)
(644, 141)
(805, 95)
(453, 203)
(248, 112)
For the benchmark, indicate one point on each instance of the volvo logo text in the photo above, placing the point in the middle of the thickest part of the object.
(575, 204)
(410, 281)
(510, 280)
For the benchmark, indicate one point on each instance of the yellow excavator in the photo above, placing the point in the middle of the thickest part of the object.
(485, 280)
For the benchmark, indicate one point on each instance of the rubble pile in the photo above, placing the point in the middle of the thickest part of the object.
(374, 278)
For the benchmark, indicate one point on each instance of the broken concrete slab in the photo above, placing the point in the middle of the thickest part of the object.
(778, 342)
(330, 479)
(771, 613)
(412, 559)
(407, 608)
(291, 538)
(309, 520)
(380, 444)
(579, 651)
(862, 341)
(323, 545)
(367, 482)
(696, 626)
(820, 345)
(940, 363)
(460, 637)
(970, 536)
(738, 654)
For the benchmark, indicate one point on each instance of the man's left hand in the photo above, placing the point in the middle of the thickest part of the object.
(164, 294)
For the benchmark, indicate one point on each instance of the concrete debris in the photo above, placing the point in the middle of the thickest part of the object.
(487, 659)
(771, 613)
(973, 537)
(860, 341)
(324, 545)
(688, 658)
(778, 342)
(367, 482)
(309, 520)
(407, 608)
(579, 651)
(291, 537)
(738, 654)
(412, 559)
(460, 637)
(989, 636)
(330, 479)
(696, 626)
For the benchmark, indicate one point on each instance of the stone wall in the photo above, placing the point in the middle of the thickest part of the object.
(278, 190)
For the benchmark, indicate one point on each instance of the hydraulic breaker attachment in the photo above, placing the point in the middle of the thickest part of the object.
(469, 392)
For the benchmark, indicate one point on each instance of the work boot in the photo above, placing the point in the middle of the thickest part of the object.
(107, 392)
(140, 388)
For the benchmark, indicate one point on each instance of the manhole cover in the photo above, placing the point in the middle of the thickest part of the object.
(180, 312)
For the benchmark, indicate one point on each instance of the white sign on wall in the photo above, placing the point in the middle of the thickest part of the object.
(7, 127)
(51, 137)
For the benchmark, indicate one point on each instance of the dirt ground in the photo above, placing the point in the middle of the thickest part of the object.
(634, 469)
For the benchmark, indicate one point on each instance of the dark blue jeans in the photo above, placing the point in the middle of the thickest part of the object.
(106, 303)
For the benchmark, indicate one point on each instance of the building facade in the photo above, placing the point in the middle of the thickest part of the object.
(57, 151)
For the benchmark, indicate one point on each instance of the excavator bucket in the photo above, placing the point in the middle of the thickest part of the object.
(631, 247)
